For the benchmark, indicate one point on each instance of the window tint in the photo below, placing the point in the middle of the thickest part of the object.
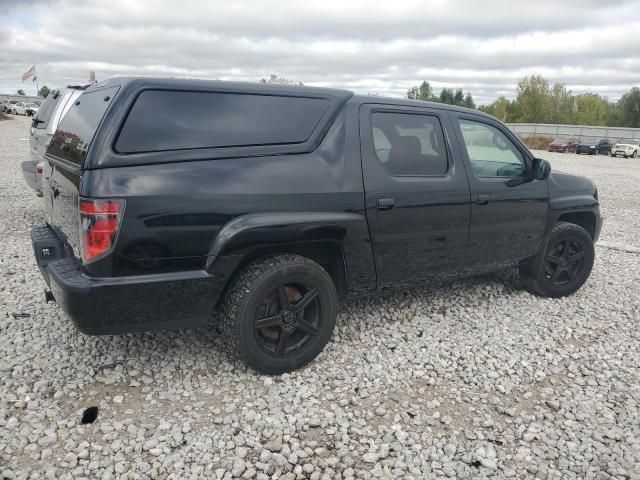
(46, 110)
(74, 134)
(170, 120)
(409, 144)
(491, 152)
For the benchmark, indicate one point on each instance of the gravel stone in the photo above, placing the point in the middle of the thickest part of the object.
(471, 379)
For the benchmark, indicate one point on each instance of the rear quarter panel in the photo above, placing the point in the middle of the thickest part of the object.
(174, 211)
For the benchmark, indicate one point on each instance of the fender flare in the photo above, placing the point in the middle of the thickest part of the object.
(249, 231)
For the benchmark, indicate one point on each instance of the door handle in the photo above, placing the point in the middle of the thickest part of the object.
(484, 199)
(385, 204)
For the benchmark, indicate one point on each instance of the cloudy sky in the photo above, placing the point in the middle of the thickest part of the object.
(367, 46)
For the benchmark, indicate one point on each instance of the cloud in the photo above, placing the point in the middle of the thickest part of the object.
(369, 46)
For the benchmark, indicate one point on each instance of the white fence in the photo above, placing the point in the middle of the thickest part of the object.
(615, 134)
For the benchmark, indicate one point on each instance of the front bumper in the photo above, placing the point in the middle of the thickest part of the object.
(622, 153)
(113, 305)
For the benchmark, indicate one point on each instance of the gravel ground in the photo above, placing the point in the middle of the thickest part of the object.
(471, 380)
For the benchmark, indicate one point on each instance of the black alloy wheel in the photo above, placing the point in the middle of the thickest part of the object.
(564, 265)
(287, 319)
(564, 262)
(279, 312)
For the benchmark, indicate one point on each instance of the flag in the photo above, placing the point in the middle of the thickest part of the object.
(29, 73)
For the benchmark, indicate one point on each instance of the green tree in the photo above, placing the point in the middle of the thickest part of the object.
(499, 109)
(44, 91)
(273, 78)
(468, 101)
(422, 92)
(21, 92)
(458, 98)
(447, 96)
(533, 97)
(562, 105)
(592, 109)
(629, 108)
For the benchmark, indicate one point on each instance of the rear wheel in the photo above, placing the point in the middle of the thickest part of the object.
(564, 265)
(634, 154)
(279, 313)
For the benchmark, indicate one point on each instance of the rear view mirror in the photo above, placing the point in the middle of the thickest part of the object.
(541, 169)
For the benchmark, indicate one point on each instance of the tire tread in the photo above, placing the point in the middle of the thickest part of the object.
(241, 286)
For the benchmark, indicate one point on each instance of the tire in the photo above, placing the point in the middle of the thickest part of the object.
(564, 265)
(258, 292)
(634, 154)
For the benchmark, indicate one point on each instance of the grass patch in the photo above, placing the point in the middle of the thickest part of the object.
(4, 116)
(537, 142)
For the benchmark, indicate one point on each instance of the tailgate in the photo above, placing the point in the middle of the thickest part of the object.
(65, 157)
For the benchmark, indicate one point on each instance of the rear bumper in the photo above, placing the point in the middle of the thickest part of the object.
(587, 150)
(30, 176)
(113, 305)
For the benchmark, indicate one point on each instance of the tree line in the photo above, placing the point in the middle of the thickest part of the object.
(425, 92)
(539, 101)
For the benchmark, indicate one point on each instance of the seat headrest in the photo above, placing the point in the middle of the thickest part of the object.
(405, 150)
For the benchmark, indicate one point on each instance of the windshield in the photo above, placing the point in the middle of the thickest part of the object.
(561, 140)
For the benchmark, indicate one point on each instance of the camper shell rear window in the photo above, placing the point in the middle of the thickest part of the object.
(75, 133)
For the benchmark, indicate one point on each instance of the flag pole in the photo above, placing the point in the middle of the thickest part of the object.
(37, 88)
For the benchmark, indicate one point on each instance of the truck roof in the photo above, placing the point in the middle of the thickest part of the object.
(273, 89)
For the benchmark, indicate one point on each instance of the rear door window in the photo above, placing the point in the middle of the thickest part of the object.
(46, 110)
(177, 120)
(409, 144)
(74, 134)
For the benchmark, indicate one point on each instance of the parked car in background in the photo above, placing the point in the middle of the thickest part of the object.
(32, 109)
(563, 145)
(594, 146)
(626, 150)
(264, 205)
(7, 105)
(19, 108)
(48, 116)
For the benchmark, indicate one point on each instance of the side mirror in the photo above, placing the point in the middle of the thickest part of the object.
(540, 169)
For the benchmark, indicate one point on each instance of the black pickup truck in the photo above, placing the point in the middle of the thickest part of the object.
(171, 202)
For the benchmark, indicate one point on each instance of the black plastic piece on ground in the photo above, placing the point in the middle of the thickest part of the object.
(89, 415)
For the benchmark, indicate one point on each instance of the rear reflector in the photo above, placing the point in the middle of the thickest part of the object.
(99, 225)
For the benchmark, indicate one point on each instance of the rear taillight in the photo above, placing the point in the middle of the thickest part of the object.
(39, 170)
(99, 224)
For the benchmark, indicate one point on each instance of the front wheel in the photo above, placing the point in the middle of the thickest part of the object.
(279, 313)
(564, 265)
(635, 154)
